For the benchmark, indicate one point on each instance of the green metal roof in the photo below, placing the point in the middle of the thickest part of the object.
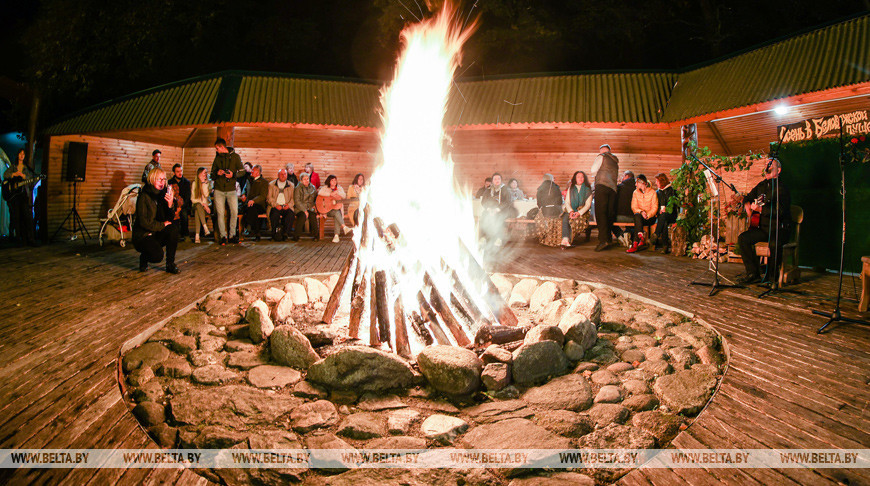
(182, 104)
(622, 98)
(837, 55)
(273, 99)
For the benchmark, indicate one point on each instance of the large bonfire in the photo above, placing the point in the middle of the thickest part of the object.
(414, 278)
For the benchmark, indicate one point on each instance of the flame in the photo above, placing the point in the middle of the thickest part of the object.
(414, 186)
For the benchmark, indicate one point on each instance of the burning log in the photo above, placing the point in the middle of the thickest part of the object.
(419, 327)
(502, 312)
(441, 307)
(334, 299)
(357, 305)
(489, 334)
(429, 315)
(403, 347)
(381, 305)
(374, 336)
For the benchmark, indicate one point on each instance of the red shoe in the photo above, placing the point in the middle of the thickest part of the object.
(641, 239)
(633, 248)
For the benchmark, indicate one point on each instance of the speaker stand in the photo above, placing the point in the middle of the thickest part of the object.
(78, 226)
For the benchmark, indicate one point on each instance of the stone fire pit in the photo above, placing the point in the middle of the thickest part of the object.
(253, 367)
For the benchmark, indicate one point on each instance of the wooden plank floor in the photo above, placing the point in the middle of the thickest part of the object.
(67, 308)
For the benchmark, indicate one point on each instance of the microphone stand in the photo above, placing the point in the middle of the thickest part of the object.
(715, 264)
(835, 315)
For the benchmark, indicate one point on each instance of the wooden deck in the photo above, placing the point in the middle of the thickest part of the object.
(66, 310)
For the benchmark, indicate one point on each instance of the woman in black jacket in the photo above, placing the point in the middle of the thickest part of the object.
(153, 229)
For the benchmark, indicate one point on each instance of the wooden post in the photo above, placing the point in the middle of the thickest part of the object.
(357, 306)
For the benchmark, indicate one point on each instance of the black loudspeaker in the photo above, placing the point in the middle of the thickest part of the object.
(76, 161)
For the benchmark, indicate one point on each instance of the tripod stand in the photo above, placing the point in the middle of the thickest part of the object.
(835, 315)
(78, 226)
(714, 180)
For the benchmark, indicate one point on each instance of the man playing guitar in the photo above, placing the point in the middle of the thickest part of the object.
(20, 200)
(770, 202)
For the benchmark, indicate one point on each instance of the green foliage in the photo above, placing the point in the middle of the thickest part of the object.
(690, 189)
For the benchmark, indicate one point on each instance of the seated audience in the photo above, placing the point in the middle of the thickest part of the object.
(486, 185)
(201, 203)
(153, 228)
(303, 204)
(645, 206)
(280, 201)
(549, 197)
(514, 191)
(578, 201)
(256, 191)
(355, 191)
(496, 209)
(331, 189)
(665, 218)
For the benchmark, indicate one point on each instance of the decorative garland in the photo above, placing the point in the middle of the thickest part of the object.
(691, 194)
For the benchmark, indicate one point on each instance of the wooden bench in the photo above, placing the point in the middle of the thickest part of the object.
(240, 233)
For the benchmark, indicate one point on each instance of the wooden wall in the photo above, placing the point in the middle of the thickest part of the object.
(525, 154)
(112, 165)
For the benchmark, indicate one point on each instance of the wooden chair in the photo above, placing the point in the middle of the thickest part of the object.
(788, 270)
(865, 285)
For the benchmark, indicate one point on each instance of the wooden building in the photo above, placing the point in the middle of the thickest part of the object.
(522, 127)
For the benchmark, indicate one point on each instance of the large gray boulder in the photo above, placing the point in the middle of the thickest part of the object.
(260, 325)
(522, 292)
(536, 362)
(685, 392)
(589, 306)
(363, 369)
(578, 328)
(291, 348)
(547, 292)
(450, 369)
(696, 335)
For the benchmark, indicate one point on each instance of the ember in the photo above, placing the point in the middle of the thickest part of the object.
(415, 271)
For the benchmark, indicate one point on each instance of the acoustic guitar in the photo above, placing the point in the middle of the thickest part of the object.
(14, 186)
(325, 204)
(755, 217)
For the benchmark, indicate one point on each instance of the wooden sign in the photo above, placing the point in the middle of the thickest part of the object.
(853, 123)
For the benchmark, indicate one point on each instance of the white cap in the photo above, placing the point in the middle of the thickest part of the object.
(605, 145)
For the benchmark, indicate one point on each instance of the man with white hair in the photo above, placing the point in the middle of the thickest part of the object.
(281, 215)
(604, 170)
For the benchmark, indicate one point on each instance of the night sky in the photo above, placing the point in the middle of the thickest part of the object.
(81, 52)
